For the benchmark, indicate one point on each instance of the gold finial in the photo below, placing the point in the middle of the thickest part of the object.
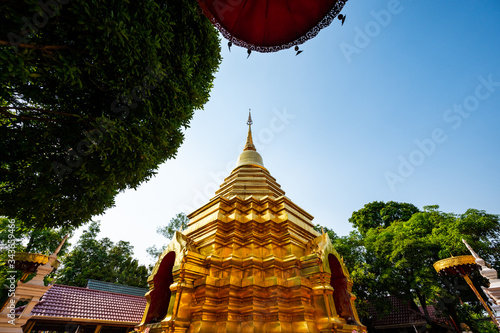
(322, 231)
(249, 122)
(249, 145)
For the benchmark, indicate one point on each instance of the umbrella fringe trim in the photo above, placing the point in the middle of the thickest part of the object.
(325, 22)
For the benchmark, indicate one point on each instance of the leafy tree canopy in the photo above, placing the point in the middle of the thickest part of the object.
(103, 260)
(381, 214)
(395, 245)
(179, 222)
(93, 97)
(44, 240)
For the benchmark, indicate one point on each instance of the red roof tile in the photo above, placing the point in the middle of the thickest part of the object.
(75, 302)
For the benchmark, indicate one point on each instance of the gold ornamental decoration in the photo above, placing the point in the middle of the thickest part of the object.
(456, 265)
(36, 258)
(29, 262)
(463, 266)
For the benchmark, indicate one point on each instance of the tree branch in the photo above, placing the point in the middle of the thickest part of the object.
(423, 302)
(39, 110)
(23, 118)
(34, 46)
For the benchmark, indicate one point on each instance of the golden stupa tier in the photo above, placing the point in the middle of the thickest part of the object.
(250, 180)
(250, 261)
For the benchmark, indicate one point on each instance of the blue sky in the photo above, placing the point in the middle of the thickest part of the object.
(405, 107)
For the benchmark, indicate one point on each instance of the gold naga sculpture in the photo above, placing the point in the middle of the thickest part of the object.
(250, 261)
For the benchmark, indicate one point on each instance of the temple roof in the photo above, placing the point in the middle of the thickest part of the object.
(116, 288)
(82, 303)
(402, 314)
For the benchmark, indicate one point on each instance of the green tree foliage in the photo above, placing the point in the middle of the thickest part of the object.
(395, 246)
(179, 222)
(44, 240)
(93, 97)
(101, 259)
(381, 214)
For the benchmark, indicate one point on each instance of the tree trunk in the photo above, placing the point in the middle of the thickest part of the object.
(452, 311)
(422, 300)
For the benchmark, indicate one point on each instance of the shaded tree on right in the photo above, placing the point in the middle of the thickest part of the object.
(393, 250)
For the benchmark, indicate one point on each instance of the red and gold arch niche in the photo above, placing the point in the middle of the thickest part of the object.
(269, 26)
(250, 261)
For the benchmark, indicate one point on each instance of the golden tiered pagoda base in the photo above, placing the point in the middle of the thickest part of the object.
(244, 266)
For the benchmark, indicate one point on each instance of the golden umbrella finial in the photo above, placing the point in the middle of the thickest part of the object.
(249, 145)
(249, 121)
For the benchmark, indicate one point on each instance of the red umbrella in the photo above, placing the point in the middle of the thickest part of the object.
(270, 25)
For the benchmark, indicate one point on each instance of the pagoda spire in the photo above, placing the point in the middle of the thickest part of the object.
(249, 155)
(249, 145)
(60, 246)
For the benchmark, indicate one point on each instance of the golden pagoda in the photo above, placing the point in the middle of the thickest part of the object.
(250, 261)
